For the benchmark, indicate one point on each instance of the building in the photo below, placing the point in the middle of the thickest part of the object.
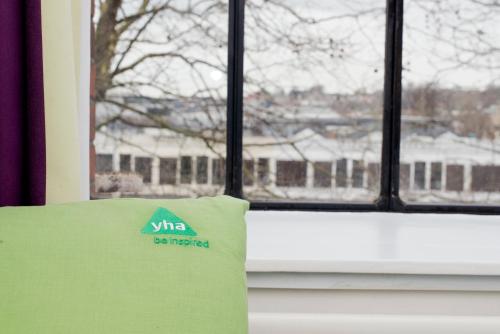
(319, 154)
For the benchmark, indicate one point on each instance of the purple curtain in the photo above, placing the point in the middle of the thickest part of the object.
(22, 122)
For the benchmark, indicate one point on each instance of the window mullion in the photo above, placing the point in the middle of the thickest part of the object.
(234, 139)
(389, 187)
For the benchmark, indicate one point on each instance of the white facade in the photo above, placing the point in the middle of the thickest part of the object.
(447, 149)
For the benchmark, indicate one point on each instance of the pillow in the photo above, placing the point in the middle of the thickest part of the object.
(124, 266)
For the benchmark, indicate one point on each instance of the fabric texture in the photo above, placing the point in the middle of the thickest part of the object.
(112, 266)
(81, 13)
(22, 122)
(61, 89)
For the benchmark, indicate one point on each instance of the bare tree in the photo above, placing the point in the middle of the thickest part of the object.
(168, 51)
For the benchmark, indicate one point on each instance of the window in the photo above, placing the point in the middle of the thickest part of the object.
(143, 167)
(303, 87)
(373, 173)
(291, 173)
(454, 178)
(168, 170)
(358, 171)
(341, 173)
(322, 174)
(161, 90)
(263, 171)
(201, 170)
(125, 163)
(486, 178)
(104, 163)
(419, 175)
(186, 170)
(398, 110)
(450, 102)
(218, 171)
(436, 175)
(404, 175)
(248, 173)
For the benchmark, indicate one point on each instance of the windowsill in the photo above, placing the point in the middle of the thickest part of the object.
(373, 243)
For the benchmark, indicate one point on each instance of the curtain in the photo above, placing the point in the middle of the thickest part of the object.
(22, 121)
(66, 54)
(44, 101)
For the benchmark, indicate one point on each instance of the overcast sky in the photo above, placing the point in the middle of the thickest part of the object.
(437, 48)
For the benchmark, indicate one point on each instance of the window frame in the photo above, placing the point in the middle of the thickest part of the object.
(389, 198)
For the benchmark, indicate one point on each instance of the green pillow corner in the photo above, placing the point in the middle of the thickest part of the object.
(124, 266)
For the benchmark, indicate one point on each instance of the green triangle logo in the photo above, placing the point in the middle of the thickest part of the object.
(166, 222)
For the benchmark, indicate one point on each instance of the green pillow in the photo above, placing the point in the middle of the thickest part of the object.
(124, 266)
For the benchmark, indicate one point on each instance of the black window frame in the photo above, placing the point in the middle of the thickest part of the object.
(389, 198)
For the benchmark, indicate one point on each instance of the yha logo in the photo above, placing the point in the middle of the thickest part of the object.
(165, 222)
(166, 225)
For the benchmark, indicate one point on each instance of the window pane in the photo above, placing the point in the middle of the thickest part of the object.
(373, 175)
(291, 173)
(419, 180)
(404, 176)
(201, 170)
(161, 89)
(454, 178)
(125, 163)
(451, 99)
(143, 168)
(104, 163)
(248, 173)
(358, 171)
(263, 171)
(218, 170)
(436, 175)
(486, 178)
(186, 170)
(313, 92)
(341, 173)
(168, 170)
(322, 174)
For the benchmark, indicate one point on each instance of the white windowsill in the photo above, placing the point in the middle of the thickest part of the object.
(373, 243)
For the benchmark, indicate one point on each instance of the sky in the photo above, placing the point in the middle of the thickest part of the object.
(356, 61)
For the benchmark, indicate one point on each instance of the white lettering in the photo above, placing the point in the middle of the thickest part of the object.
(168, 225)
(156, 227)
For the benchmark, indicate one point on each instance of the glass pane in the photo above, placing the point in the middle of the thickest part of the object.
(168, 170)
(143, 168)
(454, 178)
(404, 176)
(263, 171)
(313, 98)
(373, 175)
(201, 170)
(186, 170)
(323, 174)
(486, 178)
(291, 173)
(419, 180)
(218, 174)
(248, 172)
(358, 171)
(104, 163)
(160, 94)
(436, 175)
(451, 101)
(341, 173)
(125, 163)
